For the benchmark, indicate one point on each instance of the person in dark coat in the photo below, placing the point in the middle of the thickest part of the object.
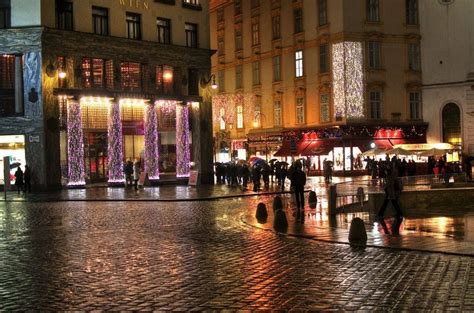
(245, 176)
(298, 180)
(27, 178)
(256, 174)
(19, 179)
(393, 189)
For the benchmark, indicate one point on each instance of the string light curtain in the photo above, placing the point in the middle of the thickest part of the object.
(151, 154)
(115, 143)
(183, 156)
(75, 144)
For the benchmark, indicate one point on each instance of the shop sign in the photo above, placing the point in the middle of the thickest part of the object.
(424, 146)
(35, 138)
(193, 178)
(136, 4)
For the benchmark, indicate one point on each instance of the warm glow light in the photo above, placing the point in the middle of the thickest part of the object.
(167, 75)
(62, 75)
(132, 102)
(255, 124)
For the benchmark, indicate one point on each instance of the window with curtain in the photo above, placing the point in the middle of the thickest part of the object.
(133, 26)
(299, 63)
(64, 16)
(100, 21)
(373, 11)
(276, 31)
(164, 30)
(191, 31)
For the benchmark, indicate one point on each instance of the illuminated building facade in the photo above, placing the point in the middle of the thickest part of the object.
(318, 79)
(89, 84)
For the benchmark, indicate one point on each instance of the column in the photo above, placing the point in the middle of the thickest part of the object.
(115, 144)
(151, 155)
(18, 85)
(75, 144)
(183, 156)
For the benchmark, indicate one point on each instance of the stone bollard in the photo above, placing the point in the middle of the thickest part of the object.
(312, 200)
(357, 232)
(280, 223)
(277, 204)
(261, 214)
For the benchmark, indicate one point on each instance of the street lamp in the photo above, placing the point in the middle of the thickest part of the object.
(204, 82)
(256, 123)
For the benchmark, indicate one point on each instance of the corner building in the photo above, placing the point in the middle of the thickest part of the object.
(89, 84)
(318, 79)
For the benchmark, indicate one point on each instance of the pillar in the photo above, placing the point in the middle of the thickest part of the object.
(18, 85)
(75, 144)
(151, 154)
(115, 144)
(183, 156)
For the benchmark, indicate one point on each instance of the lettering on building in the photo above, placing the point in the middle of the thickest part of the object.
(135, 4)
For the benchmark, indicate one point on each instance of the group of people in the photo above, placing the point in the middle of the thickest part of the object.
(377, 169)
(23, 179)
(132, 173)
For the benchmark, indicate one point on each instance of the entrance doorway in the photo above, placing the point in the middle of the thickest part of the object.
(96, 159)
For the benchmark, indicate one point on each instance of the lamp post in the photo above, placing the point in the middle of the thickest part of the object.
(256, 123)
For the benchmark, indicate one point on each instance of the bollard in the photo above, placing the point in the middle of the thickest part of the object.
(357, 232)
(261, 214)
(332, 199)
(277, 204)
(312, 200)
(280, 223)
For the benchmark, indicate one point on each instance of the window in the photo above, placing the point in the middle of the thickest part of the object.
(276, 31)
(164, 79)
(322, 12)
(220, 15)
(374, 54)
(7, 85)
(254, 3)
(134, 26)
(221, 119)
(93, 73)
(220, 46)
(64, 15)
(5, 14)
(100, 21)
(237, 7)
(238, 76)
(130, 76)
(323, 58)
(373, 11)
(452, 124)
(276, 68)
(412, 12)
(277, 113)
(109, 74)
(221, 80)
(240, 116)
(415, 105)
(191, 35)
(255, 33)
(324, 108)
(298, 20)
(238, 40)
(164, 30)
(414, 57)
(375, 102)
(299, 63)
(299, 110)
(256, 73)
(193, 2)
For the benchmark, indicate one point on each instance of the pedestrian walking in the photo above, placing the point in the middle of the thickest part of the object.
(298, 180)
(393, 188)
(19, 179)
(129, 173)
(27, 179)
(136, 173)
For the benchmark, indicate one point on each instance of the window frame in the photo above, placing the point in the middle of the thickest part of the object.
(240, 116)
(323, 58)
(277, 113)
(412, 12)
(103, 21)
(5, 12)
(256, 73)
(414, 57)
(373, 11)
(300, 113)
(298, 25)
(163, 30)
(415, 105)
(133, 27)
(299, 65)
(255, 33)
(375, 104)
(374, 55)
(322, 12)
(276, 27)
(191, 35)
(276, 65)
(64, 15)
(238, 76)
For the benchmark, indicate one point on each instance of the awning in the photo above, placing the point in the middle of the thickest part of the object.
(365, 145)
(318, 147)
(285, 149)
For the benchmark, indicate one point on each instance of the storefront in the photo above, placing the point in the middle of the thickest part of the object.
(12, 146)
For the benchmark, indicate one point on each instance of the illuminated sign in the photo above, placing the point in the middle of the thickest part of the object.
(136, 4)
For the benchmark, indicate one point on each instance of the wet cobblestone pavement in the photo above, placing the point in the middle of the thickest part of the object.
(200, 256)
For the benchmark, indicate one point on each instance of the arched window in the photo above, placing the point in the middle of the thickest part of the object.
(452, 124)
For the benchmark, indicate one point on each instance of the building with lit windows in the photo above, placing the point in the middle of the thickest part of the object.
(318, 79)
(448, 71)
(89, 84)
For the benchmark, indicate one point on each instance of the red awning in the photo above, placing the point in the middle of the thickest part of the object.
(285, 149)
(318, 147)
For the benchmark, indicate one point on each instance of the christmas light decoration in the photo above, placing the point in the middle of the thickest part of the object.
(229, 104)
(75, 144)
(115, 144)
(151, 154)
(183, 156)
(348, 79)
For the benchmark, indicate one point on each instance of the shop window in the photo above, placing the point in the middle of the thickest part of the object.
(130, 76)
(133, 26)
(100, 21)
(164, 79)
(191, 32)
(164, 30)
(93, 73)
(373, 10)
(299, 63)
(452, 124)
(109, 74)
(12, 146)
(5, 14)
(322, 12)
(167, 115)
(276, 29)
(64, 16)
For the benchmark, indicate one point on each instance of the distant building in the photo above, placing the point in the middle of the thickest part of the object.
(448, 71)
(88, 84)
(323, 79)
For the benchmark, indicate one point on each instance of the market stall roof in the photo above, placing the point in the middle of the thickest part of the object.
(318, 147)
